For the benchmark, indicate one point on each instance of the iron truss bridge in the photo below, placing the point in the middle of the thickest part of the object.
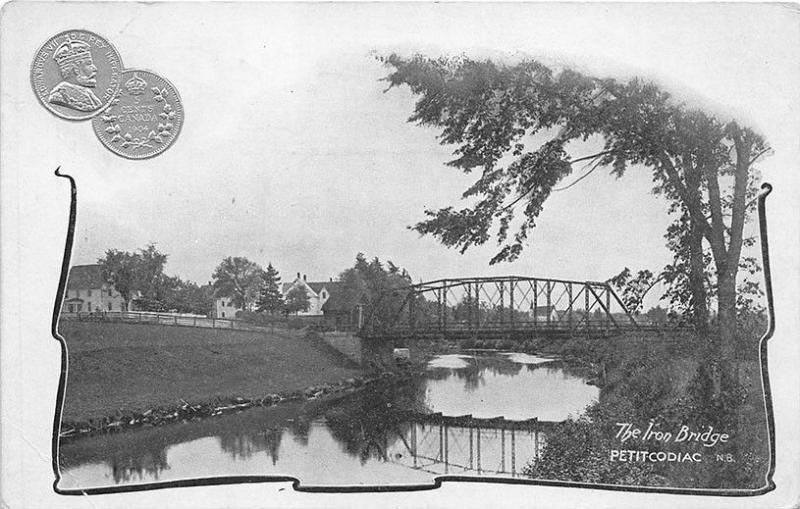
(497, 307)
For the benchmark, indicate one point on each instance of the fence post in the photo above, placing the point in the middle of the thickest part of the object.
(176, 319)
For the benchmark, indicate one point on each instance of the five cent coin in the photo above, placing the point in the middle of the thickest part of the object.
(76, 74)
(143, 119)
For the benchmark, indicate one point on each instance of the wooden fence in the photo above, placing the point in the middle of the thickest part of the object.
(174, 319)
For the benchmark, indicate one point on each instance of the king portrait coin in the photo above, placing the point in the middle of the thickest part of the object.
(143, 119)
(76, 73)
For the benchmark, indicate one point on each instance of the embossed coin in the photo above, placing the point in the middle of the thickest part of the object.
(143, 119)
(76, 73)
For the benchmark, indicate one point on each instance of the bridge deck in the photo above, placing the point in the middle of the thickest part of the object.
(506, 332)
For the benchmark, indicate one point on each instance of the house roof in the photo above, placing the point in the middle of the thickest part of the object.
(336, 302)
(543, 309)
(331, 286)
(85, 277)
(316, 286)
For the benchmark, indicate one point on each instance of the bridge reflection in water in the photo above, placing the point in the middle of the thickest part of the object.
(468, 446)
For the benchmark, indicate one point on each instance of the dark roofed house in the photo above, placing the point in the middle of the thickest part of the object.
(87, 292)
(338, 311)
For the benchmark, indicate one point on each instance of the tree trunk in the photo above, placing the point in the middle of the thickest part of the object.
(697, 283)
(726, 297)
(721, 350)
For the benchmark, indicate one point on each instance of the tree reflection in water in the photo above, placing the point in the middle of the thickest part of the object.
(367, 426)
(243, 446)
(148, 464)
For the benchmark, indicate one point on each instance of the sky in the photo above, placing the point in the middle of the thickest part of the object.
(293, 152)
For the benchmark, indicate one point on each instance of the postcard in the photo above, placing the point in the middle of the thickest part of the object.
(344, 254)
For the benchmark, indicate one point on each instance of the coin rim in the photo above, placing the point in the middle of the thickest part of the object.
(52, 109)
(174, 138)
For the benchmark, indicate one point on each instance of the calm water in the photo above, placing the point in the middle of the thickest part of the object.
(370, 437)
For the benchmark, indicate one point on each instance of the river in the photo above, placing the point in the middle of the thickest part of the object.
(382, 435)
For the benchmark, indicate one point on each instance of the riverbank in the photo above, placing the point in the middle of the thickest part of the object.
(118, 372)
(670, 383)
(186, 412)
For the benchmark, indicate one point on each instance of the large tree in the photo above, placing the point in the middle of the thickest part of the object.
(380, 288)
(238, 278)
(297, 299)
(134, 275)
(271, 299)
(495, 114)
(187, 296)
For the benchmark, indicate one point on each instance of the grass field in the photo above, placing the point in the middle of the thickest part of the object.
(115, 366)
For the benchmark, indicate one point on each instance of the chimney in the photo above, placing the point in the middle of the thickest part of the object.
(304, 277)
(298, 275)
(331, 280)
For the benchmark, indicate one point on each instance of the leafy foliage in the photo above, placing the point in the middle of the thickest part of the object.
(670, 385)
(238, 278)
(490, 111)
(139, 277)
(134, 274)
(632, 289)
(380, 289)
(297, 299)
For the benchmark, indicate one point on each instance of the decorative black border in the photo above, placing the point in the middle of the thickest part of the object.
(766, 189)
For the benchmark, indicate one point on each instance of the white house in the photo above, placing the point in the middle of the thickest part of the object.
(224, 308)
(88, 292)
(318, 293)
(544, 313)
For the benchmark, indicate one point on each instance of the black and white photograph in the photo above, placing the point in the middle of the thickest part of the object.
(532, 253)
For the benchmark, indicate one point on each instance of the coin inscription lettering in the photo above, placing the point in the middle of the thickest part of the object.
(76, 74)
(143, 119)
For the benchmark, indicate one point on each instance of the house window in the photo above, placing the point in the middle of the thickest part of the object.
(109, 306)
(223, 314)
(71, 308)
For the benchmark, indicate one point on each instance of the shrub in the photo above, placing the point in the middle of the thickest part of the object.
(505, 344)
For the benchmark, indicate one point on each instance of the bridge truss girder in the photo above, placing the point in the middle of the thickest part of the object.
(497, 305)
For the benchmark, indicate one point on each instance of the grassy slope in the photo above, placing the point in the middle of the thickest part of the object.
(116, 366)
